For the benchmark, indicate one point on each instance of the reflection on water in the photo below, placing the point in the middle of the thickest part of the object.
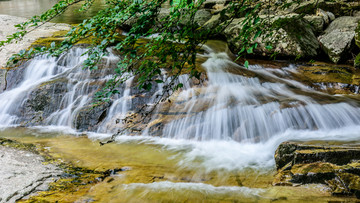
(29, 8)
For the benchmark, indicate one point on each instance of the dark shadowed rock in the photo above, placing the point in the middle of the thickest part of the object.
(89, 117)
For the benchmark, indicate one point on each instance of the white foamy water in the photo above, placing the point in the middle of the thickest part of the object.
(118, 110)
(229, 155)
(233, 122)
(39, 70)
(76, 94)
(247, 109)
(198, 188)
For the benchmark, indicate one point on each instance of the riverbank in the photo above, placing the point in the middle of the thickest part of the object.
(23, 172)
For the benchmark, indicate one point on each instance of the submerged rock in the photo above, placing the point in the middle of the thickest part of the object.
(337, 166)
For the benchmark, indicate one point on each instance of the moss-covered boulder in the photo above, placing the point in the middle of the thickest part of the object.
(336, 165)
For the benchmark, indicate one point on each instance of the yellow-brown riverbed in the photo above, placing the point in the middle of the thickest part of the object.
(149, 171)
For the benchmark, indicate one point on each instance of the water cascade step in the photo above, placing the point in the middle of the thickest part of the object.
(228, 106)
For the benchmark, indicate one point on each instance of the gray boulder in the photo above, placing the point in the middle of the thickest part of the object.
(338, 38)
(317, 22)
(202, 16)
(294, 38)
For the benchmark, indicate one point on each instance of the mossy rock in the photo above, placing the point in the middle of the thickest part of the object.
(357, 35)
(357, 61)
(17, 145)
(336, 165)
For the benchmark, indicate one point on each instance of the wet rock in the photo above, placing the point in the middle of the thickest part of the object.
(43, 101)
(89, 117)
(2, 79)
(338, 39)
(336, 165)
(330, 78)
(298, 153)
(14, 77)
(345, 184)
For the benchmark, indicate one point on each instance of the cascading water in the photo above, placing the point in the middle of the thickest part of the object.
(257, 111)
(43, 70)
(39, 70)
(217, 135)
(118, 109)
(245, 109)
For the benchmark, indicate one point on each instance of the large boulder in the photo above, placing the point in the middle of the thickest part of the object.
(338, 39)
(336, 165)
(294, 38)
(202, 16)
(317, 22)
(310, 7)
(338, 7)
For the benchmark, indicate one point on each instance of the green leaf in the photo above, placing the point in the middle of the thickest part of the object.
(268, 47)
(246, 64)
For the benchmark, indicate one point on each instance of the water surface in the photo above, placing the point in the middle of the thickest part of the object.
(29, 8)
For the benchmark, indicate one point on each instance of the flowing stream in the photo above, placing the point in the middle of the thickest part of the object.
(217, 139)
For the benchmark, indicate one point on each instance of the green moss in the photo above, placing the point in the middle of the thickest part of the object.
(17, 145)
(74, 183)
(357, 61)
(56, 80)
(357, 35)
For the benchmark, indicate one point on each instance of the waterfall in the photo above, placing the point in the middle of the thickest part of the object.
(75, 91)
(229, 105)
(245, 109)
(37, 71)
